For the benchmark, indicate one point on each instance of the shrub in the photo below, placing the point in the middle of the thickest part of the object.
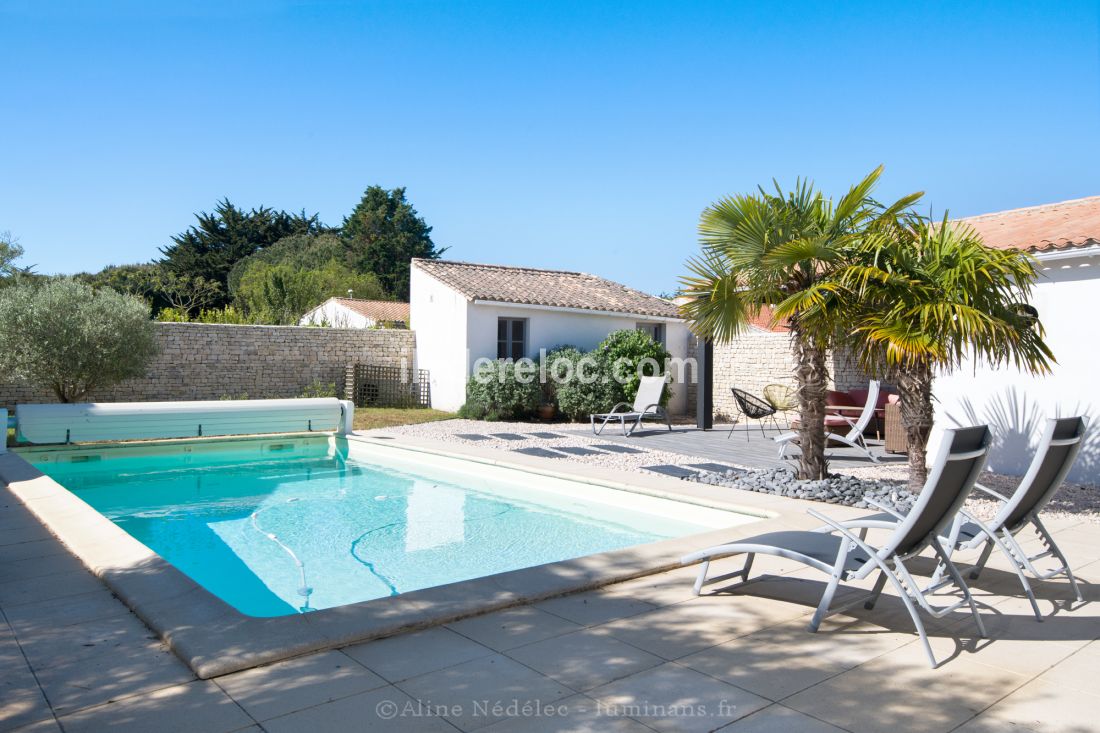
(500, 391)
(226, 315)
(317, 388)
(639, 355)
(583, 384)
(70, 338)
(172, 315)
(586, 383)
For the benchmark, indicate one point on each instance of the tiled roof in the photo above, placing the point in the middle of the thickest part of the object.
(1042, 228)
(377, 310)
(556, 288)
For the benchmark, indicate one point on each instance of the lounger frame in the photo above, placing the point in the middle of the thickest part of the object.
(890, 559)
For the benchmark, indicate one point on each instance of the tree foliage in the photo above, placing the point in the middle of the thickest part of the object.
(282, 293)
(923, 298)
(301, 251)
(780, 250)
(383, 233)
(208, 250)
(70, 338)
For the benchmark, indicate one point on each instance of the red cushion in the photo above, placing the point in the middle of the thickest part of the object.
(832, 398)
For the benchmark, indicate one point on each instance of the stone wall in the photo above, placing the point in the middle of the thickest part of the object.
(199, 361)
(757, 358)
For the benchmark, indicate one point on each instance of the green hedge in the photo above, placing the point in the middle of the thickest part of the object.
(579, 383)
(500, 391)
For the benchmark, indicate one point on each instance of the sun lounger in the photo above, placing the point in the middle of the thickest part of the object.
(845, 556)
(647, 404)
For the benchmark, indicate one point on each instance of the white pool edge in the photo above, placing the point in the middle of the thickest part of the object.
(214, 639)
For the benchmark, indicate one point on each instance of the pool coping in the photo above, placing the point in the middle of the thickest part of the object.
(214, 639)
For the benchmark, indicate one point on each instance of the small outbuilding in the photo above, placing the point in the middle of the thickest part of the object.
(358, 313)
(463, 312)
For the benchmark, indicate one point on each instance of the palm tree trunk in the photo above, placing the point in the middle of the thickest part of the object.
(812, 377)
(914, 383)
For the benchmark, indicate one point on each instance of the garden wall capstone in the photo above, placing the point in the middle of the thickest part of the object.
(200, 361)
(757, 358)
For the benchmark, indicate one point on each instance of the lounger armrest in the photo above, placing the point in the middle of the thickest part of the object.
(888, 509)
(652, 409)
(872, 553)
(991, 492)
(858, 524)
(615, 410)
(956, 526)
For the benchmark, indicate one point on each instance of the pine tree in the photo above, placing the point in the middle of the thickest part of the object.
(209, 249)
(384, 232)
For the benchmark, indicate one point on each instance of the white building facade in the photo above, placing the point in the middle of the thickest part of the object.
(463, 312)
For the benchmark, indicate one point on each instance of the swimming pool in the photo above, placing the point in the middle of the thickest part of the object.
(283, 527)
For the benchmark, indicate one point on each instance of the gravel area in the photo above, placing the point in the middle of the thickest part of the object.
(837, 489)
(885, 483)
(1073, 500)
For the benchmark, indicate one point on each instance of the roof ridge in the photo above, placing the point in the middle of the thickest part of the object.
(525, 268)
(1036, 208)
(369, 300)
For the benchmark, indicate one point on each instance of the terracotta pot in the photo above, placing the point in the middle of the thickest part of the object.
(547, 412)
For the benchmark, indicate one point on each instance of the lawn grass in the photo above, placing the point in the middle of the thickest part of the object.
(367, 418)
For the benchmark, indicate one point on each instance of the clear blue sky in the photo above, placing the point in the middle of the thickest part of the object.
(580, 135)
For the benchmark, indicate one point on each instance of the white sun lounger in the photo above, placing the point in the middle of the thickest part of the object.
(1058, 448)
(845, 556)
(647, 404)
(854, 437)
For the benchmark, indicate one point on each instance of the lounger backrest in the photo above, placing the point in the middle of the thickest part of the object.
(961, 458)
(868, 411)
(1058, 449)
(649, 393)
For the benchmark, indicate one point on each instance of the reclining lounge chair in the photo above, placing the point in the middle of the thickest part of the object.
(647, 404)
(854, 437)
(1058, 448)
(845, 556)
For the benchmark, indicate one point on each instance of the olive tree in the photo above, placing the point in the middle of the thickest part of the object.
(70, 338)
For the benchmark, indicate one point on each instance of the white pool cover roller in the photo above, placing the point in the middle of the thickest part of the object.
(74, 423)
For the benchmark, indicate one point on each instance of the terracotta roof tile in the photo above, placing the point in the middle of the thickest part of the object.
(1042, 228)
(378, 310)
(556, 288)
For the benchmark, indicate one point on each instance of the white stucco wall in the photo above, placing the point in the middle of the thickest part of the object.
(332, 314)
(1015, 404)
(437, 315)
(453, 333)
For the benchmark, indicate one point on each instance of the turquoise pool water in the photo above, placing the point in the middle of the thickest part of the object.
(291, 528)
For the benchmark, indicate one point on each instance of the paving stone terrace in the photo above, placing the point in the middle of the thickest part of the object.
(642, 655)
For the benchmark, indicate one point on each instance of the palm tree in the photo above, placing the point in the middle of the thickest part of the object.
(778, 250)
(930, 296)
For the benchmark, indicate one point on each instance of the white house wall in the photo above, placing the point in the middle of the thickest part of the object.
(1015, 404)
(550, 328)
(334, 315)
(437, 315)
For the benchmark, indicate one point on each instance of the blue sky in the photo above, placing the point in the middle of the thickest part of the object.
(580, 135)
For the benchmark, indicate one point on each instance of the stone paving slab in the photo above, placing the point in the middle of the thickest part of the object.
(540, 452)
(645, 652)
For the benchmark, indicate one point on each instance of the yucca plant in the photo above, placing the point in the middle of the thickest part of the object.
(929, 296)
(780, 250)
